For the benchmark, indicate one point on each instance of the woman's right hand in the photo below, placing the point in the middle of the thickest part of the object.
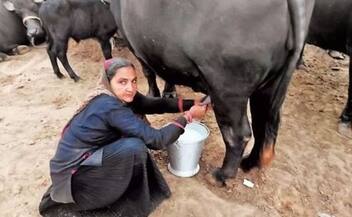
(196, 112)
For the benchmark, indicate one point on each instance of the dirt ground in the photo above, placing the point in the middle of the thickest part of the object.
(310, 175)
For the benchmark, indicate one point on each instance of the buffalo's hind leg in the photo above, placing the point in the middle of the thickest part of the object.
(264, 133)
(229, 92)
(61, 49)
(53, 59)
(265, 105)
(231, 116)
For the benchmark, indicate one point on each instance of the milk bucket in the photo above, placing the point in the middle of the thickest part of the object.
(184, 154)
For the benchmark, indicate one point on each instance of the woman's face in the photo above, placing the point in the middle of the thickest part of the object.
(124, 84)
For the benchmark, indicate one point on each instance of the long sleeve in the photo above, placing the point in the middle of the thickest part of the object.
(128, 124)
(155, 105)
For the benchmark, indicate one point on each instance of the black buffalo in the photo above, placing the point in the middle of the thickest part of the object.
(19, 24)
(77, 19)
(331, 28)
(234, 51)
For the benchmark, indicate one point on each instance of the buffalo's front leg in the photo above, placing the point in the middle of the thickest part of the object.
(235, 129)
(106, 48)
(151, 78)
(169, 91)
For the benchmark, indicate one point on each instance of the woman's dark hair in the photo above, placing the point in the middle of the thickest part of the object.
(112, 65)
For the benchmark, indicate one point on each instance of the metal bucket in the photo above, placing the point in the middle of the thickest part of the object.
(184, 154)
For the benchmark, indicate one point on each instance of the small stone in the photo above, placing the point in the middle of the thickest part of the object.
(248, 183)
(22, 49)
(17, 190)
(31, 143)
(321, 214)
(336, 55)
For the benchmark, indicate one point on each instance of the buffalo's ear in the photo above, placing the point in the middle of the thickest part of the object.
(9, 5)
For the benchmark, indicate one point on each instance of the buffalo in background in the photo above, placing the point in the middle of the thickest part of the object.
(77, 19)
(234, 51)
(331, 28)
(19, 24)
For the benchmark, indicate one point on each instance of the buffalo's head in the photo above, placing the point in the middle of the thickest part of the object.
(28, 11)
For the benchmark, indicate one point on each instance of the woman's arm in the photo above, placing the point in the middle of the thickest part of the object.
(155, 105)
(128, 124)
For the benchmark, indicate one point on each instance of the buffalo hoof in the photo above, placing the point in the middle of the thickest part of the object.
(76, 78)
(345, 129)
(59, 75)
(170, 95)
(220, 177)
(21, 49)
(210, 179)
(247, 164)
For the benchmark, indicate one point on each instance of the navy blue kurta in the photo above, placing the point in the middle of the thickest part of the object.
(103, 121)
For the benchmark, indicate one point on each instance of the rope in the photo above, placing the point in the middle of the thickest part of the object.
(32, 17)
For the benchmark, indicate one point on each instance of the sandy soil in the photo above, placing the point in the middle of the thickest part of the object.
(311, 173)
